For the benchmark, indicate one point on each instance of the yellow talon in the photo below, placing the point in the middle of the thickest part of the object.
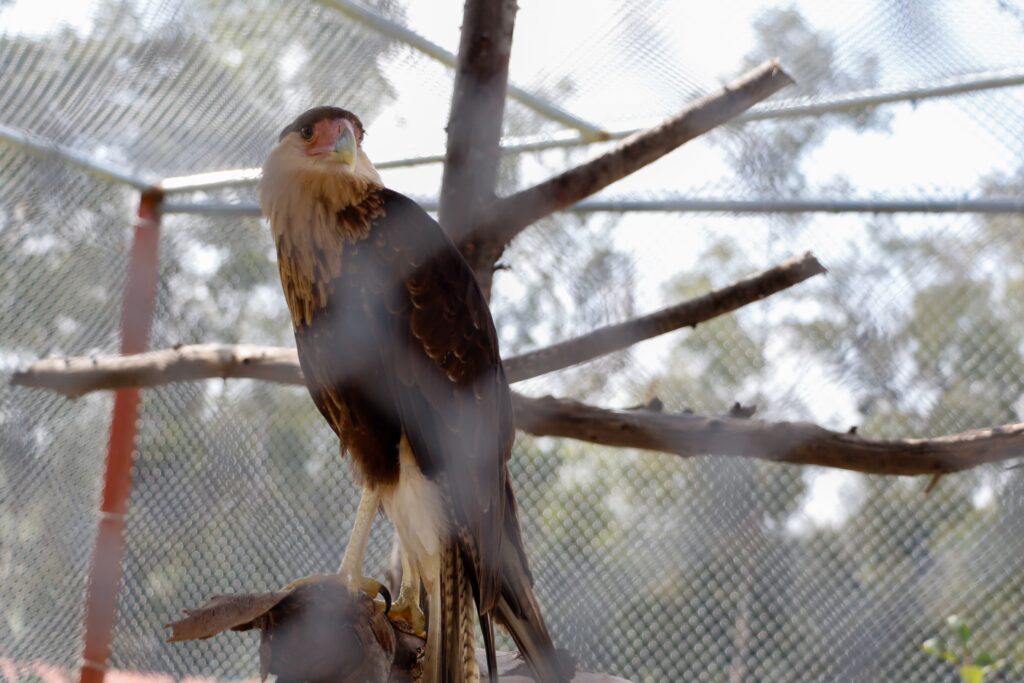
(408, 611)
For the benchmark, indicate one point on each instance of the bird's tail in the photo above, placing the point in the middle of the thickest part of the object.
(518, 611)
(458, 620)
(515, 608)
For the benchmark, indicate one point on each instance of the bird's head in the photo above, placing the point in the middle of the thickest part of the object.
(319, 155)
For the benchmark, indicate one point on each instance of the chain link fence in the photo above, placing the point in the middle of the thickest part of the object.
(649, 566)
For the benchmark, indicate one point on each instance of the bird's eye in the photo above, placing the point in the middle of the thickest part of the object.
(306, 132)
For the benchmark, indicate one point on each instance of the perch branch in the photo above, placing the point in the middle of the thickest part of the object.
(78, 375)
(508, 216)
(685, 435)
(612, 338)
(800, 443)
(474, 123)
(75, 376)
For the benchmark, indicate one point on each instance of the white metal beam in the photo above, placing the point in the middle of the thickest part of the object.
(44, 148)
(789, 206)
(864, 99)
(989, 80)
(994, 205)
(215, 180)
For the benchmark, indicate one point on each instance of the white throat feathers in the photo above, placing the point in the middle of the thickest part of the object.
(315, 207)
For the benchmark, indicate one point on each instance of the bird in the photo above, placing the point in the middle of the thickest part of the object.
(400, 355)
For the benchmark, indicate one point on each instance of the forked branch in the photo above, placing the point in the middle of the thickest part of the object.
(507, 217)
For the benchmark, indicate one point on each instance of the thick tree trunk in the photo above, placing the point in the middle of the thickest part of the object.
(474, 127)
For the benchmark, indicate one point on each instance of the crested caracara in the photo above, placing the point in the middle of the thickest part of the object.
(399, 353)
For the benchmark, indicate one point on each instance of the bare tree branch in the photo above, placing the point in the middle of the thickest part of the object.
(75, 376)
(685, 435)
(474, 124)
(800, 443)
(687, 314)
(507, 217)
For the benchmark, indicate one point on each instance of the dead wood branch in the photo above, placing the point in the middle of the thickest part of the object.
(474, 124)
(75, 376)
(800, 443)
(508, 216)
(78, 375)
(685, 435)
(605, 340)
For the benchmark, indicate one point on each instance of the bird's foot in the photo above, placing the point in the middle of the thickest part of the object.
(407, 609)
(353, 584)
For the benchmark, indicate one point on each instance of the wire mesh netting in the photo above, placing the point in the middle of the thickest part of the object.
(649, 566)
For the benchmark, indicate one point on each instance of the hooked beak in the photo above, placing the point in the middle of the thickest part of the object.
(336, 140)
(345, 146)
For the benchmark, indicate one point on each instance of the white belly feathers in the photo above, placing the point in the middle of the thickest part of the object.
(416, 509)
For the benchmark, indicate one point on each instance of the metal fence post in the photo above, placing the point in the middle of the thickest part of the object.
(136, 319)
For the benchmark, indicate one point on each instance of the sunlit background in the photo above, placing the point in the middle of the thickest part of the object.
(648, 566)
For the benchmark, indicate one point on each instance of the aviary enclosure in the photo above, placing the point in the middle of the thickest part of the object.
(731, 465)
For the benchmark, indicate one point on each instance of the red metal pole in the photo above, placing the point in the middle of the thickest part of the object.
(136, 320)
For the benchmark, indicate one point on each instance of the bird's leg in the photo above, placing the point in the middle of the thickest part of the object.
(407, 607)
(351, 569)
(432, 584)
(350, 573)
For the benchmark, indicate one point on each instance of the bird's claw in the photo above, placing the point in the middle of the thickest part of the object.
(409, 612)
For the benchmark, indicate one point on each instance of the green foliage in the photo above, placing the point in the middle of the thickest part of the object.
(973, 668)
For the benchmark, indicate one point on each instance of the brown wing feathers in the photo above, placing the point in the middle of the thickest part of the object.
(407, 344)
(456, 409)
(447, 378)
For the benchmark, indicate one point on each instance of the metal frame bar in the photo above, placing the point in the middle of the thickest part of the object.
(214, 180)
(868, 98)
(245, 176)
(43, 148)
(396, 31)
(138, 303)
(786, 206)
(961, 85)
(995, 205)
(988, 80)
(958, 85)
